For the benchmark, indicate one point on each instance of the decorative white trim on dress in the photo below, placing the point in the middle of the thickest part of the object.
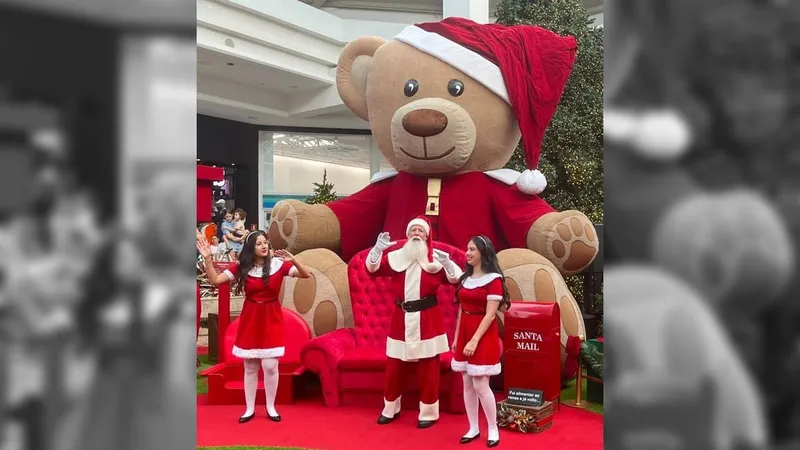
(494, 298)
(458, 366)
(475, 370)
(483, 280)
(293, 272)
(480, 371)
(257, 272)
(259, 353)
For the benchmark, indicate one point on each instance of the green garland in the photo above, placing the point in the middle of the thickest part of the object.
(592, 358)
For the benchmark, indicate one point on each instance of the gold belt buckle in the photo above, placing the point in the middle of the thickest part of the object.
(434, 189)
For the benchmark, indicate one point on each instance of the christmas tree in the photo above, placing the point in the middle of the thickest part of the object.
(323, 192)
(572, 151)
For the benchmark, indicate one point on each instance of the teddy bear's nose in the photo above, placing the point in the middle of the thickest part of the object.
(424, 122)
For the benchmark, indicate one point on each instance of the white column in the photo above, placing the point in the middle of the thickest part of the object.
(266, 172)
(374, 157)
(476, 10)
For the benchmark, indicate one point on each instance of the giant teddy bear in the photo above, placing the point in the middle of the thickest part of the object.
(447, 103)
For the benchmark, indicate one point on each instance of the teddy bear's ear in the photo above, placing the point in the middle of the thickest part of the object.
(352, 73)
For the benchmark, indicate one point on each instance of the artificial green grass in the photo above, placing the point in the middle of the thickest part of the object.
(568, 393)
(202, 382)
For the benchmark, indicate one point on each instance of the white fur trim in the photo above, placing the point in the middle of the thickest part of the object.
(419, 222)
(507, 176)
(494, 298)
(479, 371)
(531, 182)
(462, 58)
(429, 412)
(257, 272)
(293, 272)
(483, 280)
(391, 409)
(259, 353)
(474, 370)
(412, 286)
(458, 366)
(383, 175)
(412, 351)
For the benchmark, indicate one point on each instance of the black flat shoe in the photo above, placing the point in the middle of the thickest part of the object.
(467, 440)
(493, 443)
(274, 418)
(425, 423)
(383, 420)
(245, 419)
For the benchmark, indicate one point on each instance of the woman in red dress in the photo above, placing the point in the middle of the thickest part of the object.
(260, 338)
(476, 347)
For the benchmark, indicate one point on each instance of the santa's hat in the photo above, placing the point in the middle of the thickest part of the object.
(425, 223)
(526, 66)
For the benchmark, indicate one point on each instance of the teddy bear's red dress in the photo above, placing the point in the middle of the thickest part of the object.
(260, 333)
(474, 296)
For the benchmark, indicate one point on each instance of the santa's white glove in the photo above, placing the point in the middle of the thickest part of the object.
(381, 244)
(442, 257)
(449, 266)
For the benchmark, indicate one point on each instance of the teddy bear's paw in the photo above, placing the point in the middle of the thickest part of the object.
(283, 224)
(322, 300)
(566, 238)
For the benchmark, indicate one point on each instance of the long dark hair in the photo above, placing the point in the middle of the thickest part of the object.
(247, 260)
(489, 264)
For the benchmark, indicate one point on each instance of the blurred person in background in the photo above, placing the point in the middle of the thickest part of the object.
(141, 327)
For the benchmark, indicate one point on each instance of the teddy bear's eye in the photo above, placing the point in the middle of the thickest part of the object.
(455, 88)
(412, 86)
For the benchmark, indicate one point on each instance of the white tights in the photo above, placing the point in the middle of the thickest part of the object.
(477, 389)
(270, 368)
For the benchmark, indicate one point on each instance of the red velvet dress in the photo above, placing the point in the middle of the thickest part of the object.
(260, 333)
(473, 298)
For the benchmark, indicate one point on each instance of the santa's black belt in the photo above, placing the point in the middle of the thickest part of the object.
(418, 305)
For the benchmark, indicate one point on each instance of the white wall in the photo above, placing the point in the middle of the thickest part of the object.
(296, 176)
(405, 18)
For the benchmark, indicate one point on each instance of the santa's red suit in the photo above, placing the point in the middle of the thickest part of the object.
(393, 198)
(417, 332)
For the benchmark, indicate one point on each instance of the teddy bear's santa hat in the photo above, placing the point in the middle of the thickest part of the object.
(525, 65)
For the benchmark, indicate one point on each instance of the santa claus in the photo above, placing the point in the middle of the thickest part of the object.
(417, 332)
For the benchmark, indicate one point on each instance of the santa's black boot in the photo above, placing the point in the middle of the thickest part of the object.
(425, 423)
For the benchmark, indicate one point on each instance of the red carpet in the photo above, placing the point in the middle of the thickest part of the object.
(314, 426)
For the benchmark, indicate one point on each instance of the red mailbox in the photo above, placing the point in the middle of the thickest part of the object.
(532, 348)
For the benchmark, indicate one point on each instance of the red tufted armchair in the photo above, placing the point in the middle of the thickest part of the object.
(350, 362)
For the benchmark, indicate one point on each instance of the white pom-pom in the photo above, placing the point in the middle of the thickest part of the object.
(531, 182)
(661, 135)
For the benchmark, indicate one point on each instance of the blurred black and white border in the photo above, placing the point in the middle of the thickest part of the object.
(702, 170)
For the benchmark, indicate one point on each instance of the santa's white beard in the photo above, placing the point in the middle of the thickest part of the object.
(416, 250)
